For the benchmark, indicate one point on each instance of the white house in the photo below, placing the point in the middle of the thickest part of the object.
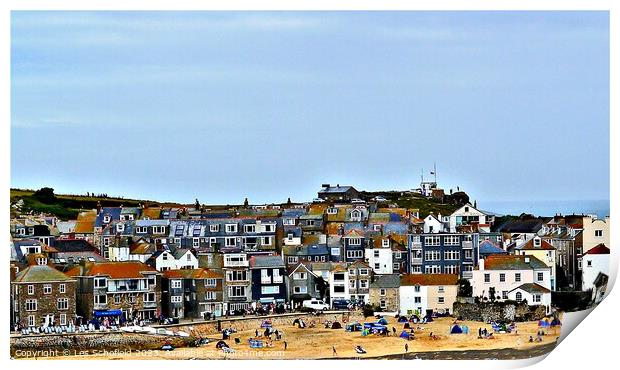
(185, 259)
(420, 293)
(379, 257)
(433, 224)
(544, 251)
(594, 262)
(338, 283)
(499, 275)
(177, 260)
(468, 214)
(533, 293)
(596, 231)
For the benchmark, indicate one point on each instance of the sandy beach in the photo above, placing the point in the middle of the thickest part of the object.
(317, 342)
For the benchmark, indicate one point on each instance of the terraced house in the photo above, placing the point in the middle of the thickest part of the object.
(192, 293)
(443, 253)
(42, 295)
(121, 290)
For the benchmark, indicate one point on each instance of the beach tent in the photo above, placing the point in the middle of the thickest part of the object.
(256, 343)
(365, 332)
(354, 326)
(266, 324)
(406, 326)
(300, 323)
(456, 330)
(405, 335)
(402, 319)
(543, 323)
(336, 325)
(414, 319)
(221, 344)
(556, 322)
(382, 321)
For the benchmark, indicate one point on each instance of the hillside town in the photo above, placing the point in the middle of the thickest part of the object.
(156, 265)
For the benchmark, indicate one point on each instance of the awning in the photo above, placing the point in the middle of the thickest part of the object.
(108, 313)
(266, 300)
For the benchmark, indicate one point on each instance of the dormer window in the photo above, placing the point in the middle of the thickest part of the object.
(537, 242)
(41, 261)
(332, 211)
(356, 215)
(466, 209)
(106, 219)
(120, 227)
(355, 241)
(290, 236)
(377, 227)
(386, 243)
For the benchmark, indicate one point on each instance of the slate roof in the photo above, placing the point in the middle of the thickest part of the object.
(39, 274)
(532, 288)
(522, 226)
(544, 245)
(428, 279)
(512, 262)
(73, 245)
(266, 262)
(335, 189)
(487, 247)
(386, 281)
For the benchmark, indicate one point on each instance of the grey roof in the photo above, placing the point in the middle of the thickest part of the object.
(386, 281)
(266, 261)
(336, 189)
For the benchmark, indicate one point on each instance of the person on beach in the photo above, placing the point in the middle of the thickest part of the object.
(334, 351)
(256, 333)
(406, 348)
(285, 345)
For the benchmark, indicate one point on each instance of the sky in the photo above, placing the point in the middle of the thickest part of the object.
(219, 106)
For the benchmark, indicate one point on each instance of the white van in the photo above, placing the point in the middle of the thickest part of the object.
(315, 304)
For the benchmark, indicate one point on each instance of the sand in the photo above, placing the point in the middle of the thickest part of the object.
(316, 343)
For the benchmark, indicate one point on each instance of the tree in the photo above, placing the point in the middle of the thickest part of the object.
(465, 289)
(322, 285)
(45, 195)
(197, 206)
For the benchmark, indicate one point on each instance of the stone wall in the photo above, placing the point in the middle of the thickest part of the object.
(498, 311)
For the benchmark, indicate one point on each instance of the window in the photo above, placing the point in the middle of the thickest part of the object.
(452, 255)
(487, 278)
(117, 298)
(376, 253)
(376, 227)
(396, 266)
(31, 289)
(273, 289)
(31, 320)
(292, 259)
(417, 300)
(502, 278)
(120, 228)
(249, 228)
(31, 304)
(211, 296)
(440, 300)
(176, 299)
(164, 256)
(382, 292)
(101, 299)
(352, 284)
(159, 229)
(355, 254)
(505, 294)
(149, 297)
(363, 284)
(140, 229)
(431, 240)
(300, 290)
(432, 255)
(230, 242)
(517, 277)
(589, 263)
(451, 269)
(363, 271)
(62, 288)
(382, 303)
(440, 289)
(598, 233)
(309, 222)
(540, 276)
(269, 228)
(299, 276)
(62, 303)
(188, 256)
(196, 231)
(355, 241)
(211, 282)
(519, 296)
(536, 298)
(377, 266)
(416, 289)
(63, 319)
(175, 284)
(196, 242)
(236, 291)
(214, 228)
(151, 281)
(265, 240)
(432, 269)
(231, 228)
(101, 282)
(451, 240)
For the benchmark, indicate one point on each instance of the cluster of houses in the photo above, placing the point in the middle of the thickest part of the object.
(143, 262)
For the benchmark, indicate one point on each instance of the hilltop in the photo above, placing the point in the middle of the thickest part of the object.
(67, 206)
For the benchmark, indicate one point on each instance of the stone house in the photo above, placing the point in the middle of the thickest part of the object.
(384, 292)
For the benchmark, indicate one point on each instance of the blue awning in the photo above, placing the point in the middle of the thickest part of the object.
(108, 313)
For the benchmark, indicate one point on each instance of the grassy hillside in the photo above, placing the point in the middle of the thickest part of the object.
(412, 200)
(67, 206)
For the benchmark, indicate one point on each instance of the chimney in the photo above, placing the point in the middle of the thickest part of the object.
(527, 259)
(481, 264)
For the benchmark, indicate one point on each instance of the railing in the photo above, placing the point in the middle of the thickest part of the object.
(416, 261)
(468, 245)
(236, 263)
(265, 280)
(416, 245)
(467, 274)
(278, 279)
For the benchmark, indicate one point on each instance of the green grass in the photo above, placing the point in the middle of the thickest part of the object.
(411, 200)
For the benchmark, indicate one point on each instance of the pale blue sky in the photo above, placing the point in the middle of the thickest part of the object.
(220, 106)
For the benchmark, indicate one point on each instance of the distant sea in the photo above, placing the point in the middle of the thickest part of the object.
(547, 207)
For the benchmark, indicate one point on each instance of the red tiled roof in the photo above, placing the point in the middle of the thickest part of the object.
(428, 279)
(544, 245)
(599, 249)
(114, 270)
(191, 274)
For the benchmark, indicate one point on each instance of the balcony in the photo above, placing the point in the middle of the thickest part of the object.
(468, 245)
(265, 280)
(416, 245)
(236, 263)
(278, 279)
(467, 274)
(416, 261)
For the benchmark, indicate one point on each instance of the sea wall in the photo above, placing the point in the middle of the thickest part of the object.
(498, 311)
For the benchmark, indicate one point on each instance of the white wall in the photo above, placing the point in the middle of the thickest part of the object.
(599, 263)
(384, 260)
(407, 299)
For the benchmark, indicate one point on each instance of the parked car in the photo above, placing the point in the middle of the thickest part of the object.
(379, 198)
(318, 200)
(340, 304)
(357, 201)
(315, 304)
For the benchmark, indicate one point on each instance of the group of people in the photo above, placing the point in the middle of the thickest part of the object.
(483, 333)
